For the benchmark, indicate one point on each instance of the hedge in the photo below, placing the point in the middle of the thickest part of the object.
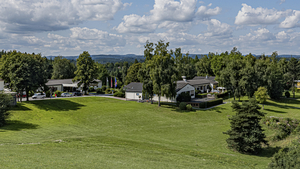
(211, 103)
(201, 95)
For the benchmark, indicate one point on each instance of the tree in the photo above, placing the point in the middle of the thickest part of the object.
(261, 95)
(203, 67)
(163, 72)
(24, 72)
(63, 68)
(5, 100)
(248, 76)
(246, 135)
(274, 79)
(102, 73)
(86, 71)
(293, 72)
(132, 73)
(144, 76)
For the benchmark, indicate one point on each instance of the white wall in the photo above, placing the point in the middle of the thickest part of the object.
(1, 85)
(187, 88)
(133, 95)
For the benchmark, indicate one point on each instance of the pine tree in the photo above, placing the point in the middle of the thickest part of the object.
(246, 135)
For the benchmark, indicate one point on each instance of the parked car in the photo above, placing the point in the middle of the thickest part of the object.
(38, 96)
(76, 94)
(66, 95)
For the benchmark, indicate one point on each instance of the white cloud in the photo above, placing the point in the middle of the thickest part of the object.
(216, 28)
(41, 15)
(259, 16)
(282, 1)
(170, 10)
(167, 14)
(291, 21)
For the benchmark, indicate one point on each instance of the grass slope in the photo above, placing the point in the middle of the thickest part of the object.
(107, 133)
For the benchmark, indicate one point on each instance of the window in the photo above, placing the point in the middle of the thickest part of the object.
(137, 94)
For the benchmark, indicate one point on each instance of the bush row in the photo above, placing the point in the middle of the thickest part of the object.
(211, 103)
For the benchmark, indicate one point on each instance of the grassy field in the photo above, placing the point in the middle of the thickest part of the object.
(94, 132)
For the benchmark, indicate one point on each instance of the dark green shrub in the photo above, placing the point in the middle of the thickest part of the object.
(5, 101)
(182, 106)
(184, 97)
(99, 91)
(246, 135)
(222, 95)
(91, 89)
(287, 157)
(58, 93)
(108, 91)
(119, 94)
(189, 107)
(48, 93)
(287, 94)
(103, 89)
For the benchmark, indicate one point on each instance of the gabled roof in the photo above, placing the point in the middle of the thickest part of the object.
(52, 82)
(198, 81)
(134, 87)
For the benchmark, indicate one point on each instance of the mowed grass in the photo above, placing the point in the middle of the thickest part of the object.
(94, 132)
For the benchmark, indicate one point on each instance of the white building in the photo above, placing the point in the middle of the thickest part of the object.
(1, 85)
(201, 83)
(134, 91)
(69, 85)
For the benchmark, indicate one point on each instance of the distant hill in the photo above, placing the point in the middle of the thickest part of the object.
(131, 57)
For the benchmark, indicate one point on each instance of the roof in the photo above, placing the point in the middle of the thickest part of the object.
(198, 81)
(202, 77)
(134, 87)
(52, 82)
(179, 86)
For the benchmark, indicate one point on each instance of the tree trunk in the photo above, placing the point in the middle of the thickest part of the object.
(27, 97)
(159, 101)
(263, 106)
(151, 101)
(293, 87)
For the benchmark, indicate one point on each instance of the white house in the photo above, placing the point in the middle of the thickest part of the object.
(201, 83)
(69, 85)
(1, 85)
(134, 91)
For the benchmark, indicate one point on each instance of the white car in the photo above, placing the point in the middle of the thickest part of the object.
(38, 96)
(66, 95)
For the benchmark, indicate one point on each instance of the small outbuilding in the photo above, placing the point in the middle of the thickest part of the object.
(134, 91)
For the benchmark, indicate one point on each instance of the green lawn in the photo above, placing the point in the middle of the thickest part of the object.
(94, 132)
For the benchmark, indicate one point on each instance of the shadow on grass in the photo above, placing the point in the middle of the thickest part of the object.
(56, 105)
(275, 111)
(269, 151)
(16, 125)
(19, 107)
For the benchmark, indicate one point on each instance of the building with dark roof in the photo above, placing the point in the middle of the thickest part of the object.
(69, 85)
(134, 90)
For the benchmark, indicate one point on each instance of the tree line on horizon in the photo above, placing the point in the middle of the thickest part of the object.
(242, 74)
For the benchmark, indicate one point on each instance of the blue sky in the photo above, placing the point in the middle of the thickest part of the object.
(68, 27)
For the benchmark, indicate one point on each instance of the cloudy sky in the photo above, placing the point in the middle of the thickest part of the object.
(68, 27)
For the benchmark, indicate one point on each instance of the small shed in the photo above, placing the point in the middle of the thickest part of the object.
(134, 91)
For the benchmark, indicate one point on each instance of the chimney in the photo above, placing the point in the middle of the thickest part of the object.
(184, 78)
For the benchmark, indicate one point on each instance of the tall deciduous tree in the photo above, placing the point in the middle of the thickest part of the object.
(246, 135)
(24, 72)
(163, 72)
(203, 67)
(102, 73)
(293, 72)
(63, 68)
(86, 71)
(132, 73)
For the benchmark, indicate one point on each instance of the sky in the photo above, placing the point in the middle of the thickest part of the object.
(69, 27)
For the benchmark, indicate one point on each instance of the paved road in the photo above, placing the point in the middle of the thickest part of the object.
(91, 95)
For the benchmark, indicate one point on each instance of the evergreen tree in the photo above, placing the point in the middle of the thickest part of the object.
(246, 135)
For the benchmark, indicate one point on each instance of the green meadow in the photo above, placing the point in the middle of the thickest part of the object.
(95, 132)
